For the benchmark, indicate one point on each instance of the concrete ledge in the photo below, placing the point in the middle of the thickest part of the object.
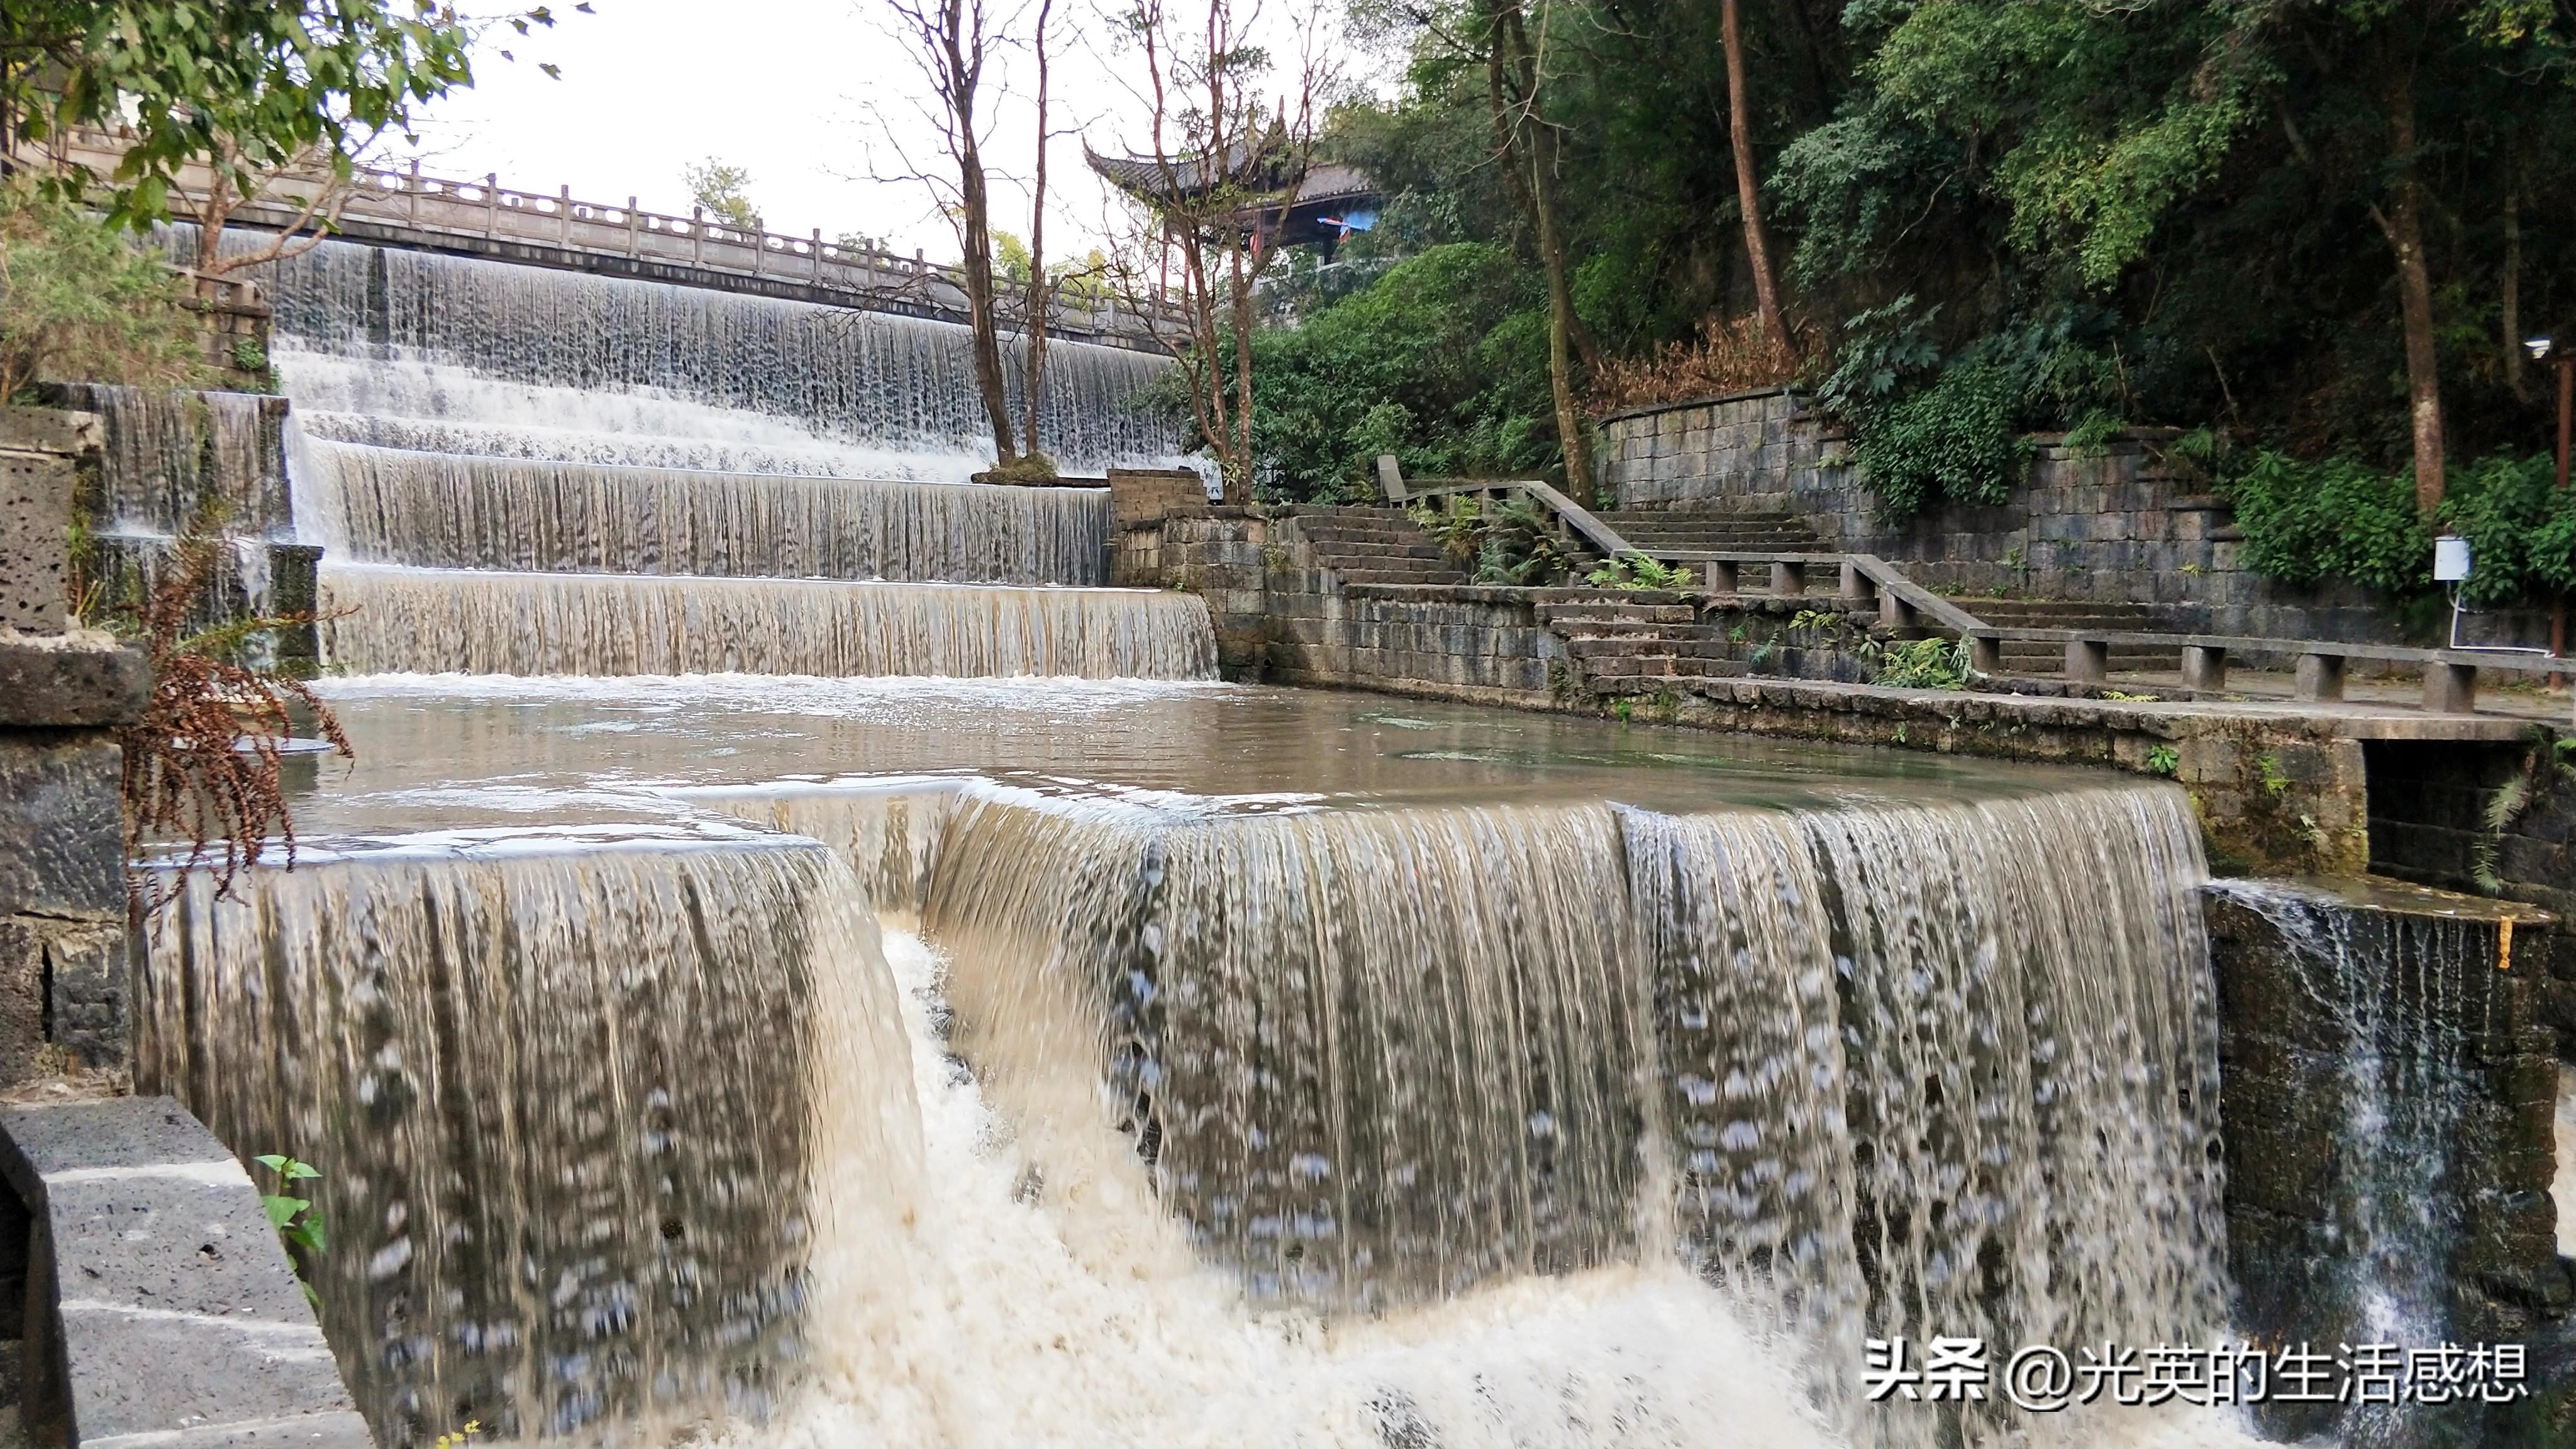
(69, 681)
(162, 1309)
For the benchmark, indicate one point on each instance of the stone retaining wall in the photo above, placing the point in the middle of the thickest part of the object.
(2415, 1012)
(63, 689)
(2109, 523)
(2277, 793)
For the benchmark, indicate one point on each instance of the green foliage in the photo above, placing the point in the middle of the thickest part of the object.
(1518, 547)
(1953, 439)
(296, 1219)
(1510, 543)
(2342, 520)
(1934, 663)
(78, 301)
(2307, 523)
(2164, 760)
(724, 192)
(2521, 529)
(1636, 571)
(1442, 361)
(250, 85)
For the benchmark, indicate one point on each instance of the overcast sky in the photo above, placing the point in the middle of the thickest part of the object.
(790, 90)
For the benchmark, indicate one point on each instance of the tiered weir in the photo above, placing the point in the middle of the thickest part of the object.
(595, 476)
(442, 510)
(1281, 1068)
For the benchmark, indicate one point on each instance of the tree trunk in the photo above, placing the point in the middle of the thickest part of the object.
(1041, 293)
(1512, 54)
(1748, 187)
(1238, 449)
(976, 232)
(2404, 223)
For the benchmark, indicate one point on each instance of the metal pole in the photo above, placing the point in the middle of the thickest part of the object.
(2566, 396)
(2558, 606)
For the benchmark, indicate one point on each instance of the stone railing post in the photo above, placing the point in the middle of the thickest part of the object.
(563, 218)
(491, 203)
(634, 236)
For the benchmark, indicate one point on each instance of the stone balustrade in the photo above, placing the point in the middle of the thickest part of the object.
(407, 207)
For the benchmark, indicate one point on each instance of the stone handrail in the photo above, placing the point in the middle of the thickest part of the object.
(431, 207)
(1568, 513)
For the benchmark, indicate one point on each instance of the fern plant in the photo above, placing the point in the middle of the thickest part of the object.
(1636, 571)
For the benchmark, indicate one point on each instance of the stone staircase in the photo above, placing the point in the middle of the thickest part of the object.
(1634, 642)
(1376, 546)
(2037, 657)
(1656, 531)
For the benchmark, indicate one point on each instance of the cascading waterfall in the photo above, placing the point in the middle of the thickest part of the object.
(441, 510)
(379, 620)
(1880, 1068)
(2396, 1015)
(167, 451)
(564, 1098)
(1945, 1070)
(869, 380)
(1894, 1071)
(1373, 1057)
(505, 428)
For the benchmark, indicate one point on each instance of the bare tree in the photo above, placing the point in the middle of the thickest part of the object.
(1527, 143)
(952, 41)
(1213, 195)
(1041, 288)
(315, 186)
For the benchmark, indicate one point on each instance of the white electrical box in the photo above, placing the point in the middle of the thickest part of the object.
(2450, 559)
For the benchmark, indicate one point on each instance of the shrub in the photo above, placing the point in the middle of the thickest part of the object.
(1442, 362)
(2312, 523)
(78, 301)
(1954, 439)
(2341, 520)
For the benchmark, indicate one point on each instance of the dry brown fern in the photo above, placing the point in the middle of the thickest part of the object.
(1729, 355)
(203, 762)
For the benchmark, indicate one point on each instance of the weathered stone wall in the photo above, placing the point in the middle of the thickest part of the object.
(62, 689)
(2387, 1105)
(2110, 523)
(2276, 794)
(2498, 819)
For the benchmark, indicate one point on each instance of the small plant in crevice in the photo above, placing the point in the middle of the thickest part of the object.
(204, 759)
(297, 1220)
(2267, 768)
(2164, 760)
(2549, 758)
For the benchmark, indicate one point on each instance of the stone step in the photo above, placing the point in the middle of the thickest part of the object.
(1580, 629)
(1401, 576)
(1641, 647)
(1618, 609)
(1695, 515)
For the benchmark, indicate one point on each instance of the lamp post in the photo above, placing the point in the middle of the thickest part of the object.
(2558, 347)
